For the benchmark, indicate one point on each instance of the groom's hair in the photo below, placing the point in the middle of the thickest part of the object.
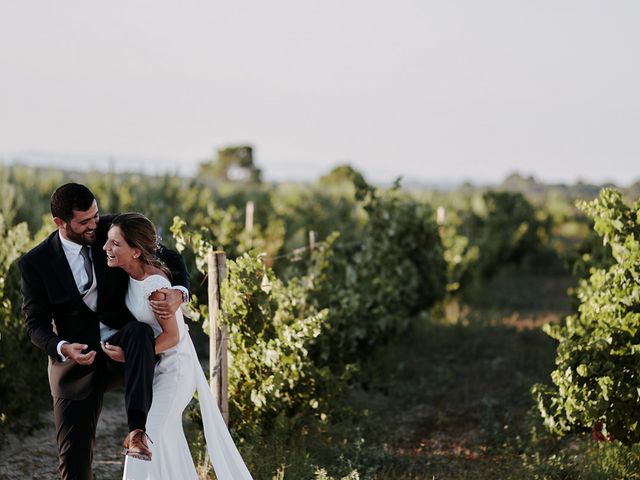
(70, 197)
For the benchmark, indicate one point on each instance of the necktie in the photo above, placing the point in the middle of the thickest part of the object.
(87, 265)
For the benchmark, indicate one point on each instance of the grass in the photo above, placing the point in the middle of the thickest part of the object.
(449, 400)
(456, 398)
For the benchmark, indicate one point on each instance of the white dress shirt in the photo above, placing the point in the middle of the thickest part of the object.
(90, 295)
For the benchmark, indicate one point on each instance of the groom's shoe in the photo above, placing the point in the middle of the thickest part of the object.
(135, 445)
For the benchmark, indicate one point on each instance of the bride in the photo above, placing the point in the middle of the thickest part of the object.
(131, 245)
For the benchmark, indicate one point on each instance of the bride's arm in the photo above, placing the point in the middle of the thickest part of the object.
(170, 335)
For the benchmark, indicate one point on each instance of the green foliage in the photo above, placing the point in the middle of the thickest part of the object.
(581, 458)
(7, 197)
(342, 175)
(372, 287)
(321, 474)
(592, 252)
(459, 253)
(26, 193)
(505, 230)
(286, 336)
(20, 363)
(322, 209)
(13, 242)
(596, 381)
(225, 231)
(270, 328)
(491, 232)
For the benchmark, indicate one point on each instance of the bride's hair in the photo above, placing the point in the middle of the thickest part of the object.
(139, 232)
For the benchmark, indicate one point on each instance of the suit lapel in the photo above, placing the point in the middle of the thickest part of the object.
(61, 265)
(99, 263)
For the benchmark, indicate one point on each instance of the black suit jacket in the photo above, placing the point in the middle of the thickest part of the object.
(55, 311)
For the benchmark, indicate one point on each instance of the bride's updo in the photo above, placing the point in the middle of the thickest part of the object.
(139, 232)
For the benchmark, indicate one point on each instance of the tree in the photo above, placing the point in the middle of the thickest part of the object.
(234, 164)
(342, 174)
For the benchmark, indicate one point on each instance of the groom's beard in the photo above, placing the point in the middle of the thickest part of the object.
(86, 237)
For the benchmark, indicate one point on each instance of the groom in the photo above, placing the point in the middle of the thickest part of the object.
(72, 302)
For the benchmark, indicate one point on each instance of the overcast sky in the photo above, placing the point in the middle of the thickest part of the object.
(432, 90)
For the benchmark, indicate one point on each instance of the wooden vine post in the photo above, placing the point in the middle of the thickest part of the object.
(248, 220)
(219, 380)
(248, 217)
(441, 218)
(312, 240)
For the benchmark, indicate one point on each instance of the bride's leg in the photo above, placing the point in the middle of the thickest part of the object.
(173, 388)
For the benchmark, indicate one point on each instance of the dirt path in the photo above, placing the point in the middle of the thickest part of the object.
(35, 456)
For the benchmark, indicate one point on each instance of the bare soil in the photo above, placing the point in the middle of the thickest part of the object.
(35, 456)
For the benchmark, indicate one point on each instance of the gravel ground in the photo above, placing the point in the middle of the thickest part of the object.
(35, 456)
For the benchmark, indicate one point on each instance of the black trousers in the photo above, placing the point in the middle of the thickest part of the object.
(138, 343)
(76, 420)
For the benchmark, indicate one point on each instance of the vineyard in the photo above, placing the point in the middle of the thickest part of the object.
(382, 333)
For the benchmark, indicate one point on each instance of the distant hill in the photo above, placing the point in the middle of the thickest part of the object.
(532, 188)
(82, 164)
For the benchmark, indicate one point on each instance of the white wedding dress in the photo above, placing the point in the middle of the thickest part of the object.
(177, 376)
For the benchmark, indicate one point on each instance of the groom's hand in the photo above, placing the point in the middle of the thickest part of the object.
(74, 352)
(166, 308)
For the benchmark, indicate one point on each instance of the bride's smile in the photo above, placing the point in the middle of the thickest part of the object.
(120, 253)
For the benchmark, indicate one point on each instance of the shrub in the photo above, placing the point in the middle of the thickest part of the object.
(596, 380)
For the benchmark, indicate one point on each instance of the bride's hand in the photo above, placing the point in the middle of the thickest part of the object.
(114, 352)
